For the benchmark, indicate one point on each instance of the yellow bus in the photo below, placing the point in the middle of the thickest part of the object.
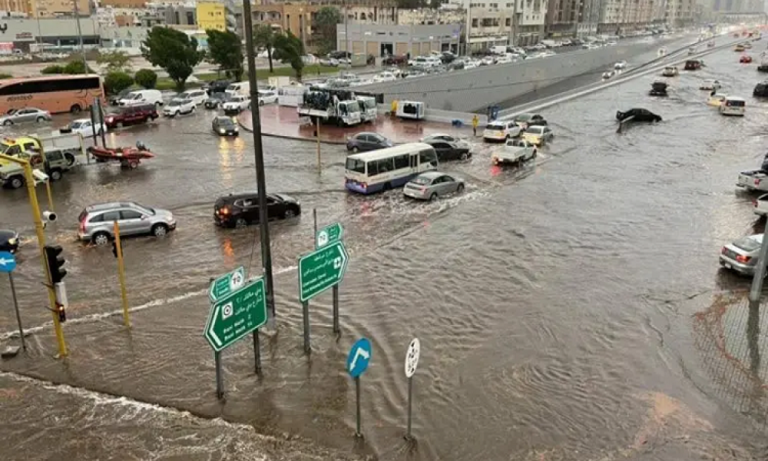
(54, 93)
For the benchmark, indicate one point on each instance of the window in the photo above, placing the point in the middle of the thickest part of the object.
(47, 86)
(13, 150)
(373, 168)
(356, 165)
(508, 22)
(385, 165)
(474, 22)
(428, 156)
(110, 216)
(130, 214)
(402, 161)
(29, 146)
(97, 218)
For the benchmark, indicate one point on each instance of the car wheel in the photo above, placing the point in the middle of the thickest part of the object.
(16, 182)
(261, 103)
(433, 197)
(100, 238)
(40, 119)
(289, 213)
(159, 230)
(55, 175)
(240, 223)
(355, 149)
(460, 188)
(75, 109)
(69, 158)
(7, 122)
(119, 124)
(463, 156)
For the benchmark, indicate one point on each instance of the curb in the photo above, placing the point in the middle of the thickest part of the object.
(292, 138)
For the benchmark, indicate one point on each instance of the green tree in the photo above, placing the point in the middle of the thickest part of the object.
(146, 78)
(172, 50)
(288, 48)
(324, 25)
(225, 50)
(76, 67)
(116, 81)
(52, 69)
(264, 37)
(114, 61)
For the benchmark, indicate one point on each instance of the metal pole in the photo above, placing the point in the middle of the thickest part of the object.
(319, 164)
(357, 404)
(757, 279)
(410, 399)
(219, 376)
(336, 328)
(50, 194)
(314, 220)
(258, 151)
(16, 307)
(121, 275)
(101, 122)
(305, 312)
(80, 35)
(257, 351)
(346, 35)
(469, 30)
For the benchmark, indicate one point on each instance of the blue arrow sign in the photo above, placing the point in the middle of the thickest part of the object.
(7, 261)
(359, 357)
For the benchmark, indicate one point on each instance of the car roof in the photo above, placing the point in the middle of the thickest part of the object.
(7, 233)
(242, 195)
(97, 207)
(431, 174)
(367, 132)
(734, 98)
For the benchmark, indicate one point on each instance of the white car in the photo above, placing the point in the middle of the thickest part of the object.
(197, 96)
(761, 205)
(236, 104)
(501, 131)
(267, 97)
(179, 107)
(506, 59)
(84, 127)
(621, 65)
(385, 77)
(470, 64)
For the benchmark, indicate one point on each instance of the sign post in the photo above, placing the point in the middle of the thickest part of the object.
(7, 265)
(118, 252)
(322, 269)
(411, 362)
(233, 316)
(226, 284)
(324, 237)
(357, 362)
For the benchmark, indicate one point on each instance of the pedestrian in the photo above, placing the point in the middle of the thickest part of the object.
(475, 122)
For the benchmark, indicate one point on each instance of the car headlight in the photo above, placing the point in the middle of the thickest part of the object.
(12, 241)
(221, 130)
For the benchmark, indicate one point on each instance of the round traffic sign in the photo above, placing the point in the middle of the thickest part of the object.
(359, 357)
(412, 357)
(236, 281)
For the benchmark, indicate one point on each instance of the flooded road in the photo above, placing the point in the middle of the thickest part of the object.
(572, 309)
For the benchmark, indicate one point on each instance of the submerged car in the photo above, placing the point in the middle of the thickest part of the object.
(741, 255)
(658, 88)
(432, 185)
(739, 48)
(710, 85)
(693, 64)
(637, 115)
(716, 99)
(364, 142)
(240, 210)
(670, 71)
(179, 107)
(450, 150)
(745, 59)
(621, 65)
(97, 221)
(9, 240)
(761, 90)
(224, 126)
(26, 114)
(538, 134)
(215, 100)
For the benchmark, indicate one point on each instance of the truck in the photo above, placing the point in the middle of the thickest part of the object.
(70, 145)
(755, 180)
(515, 152)
(369, 109)
(339, 107)
(52, 162)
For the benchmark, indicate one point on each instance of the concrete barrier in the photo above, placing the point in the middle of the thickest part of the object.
(475, 89)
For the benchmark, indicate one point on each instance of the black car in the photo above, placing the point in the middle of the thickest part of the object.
(449, 150)
(217, 86)
(761, 90)
(240, 210)
(224, 126)
(9, 240)
(637, 115)
(658, 89)
(215, 100)
(364, 142)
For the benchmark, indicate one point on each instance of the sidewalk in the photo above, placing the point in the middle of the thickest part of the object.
(283, 121)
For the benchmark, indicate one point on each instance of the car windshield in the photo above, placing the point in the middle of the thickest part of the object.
(4, 147)
(76, 125)
(747, 244)
(145, 209)
(496, 126)
(356, 165)
(523, 117)
(422, 180)
(225, 122)
(535, 130)
(12, 111)
(136, 96)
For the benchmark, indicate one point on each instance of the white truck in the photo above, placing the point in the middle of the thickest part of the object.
(753, 180)
(330, 106)
(515, 152)
(368, 107)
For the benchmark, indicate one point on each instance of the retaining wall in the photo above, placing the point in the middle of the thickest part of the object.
(475, 89)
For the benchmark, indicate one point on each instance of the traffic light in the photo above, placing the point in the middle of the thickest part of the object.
(55, 263)
(62, 313)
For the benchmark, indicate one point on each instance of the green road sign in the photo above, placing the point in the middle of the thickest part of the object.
(328, 235)
(236, 315)
(321, 270)
(226, 284)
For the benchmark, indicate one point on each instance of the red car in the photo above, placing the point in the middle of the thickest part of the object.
(745, 59)
(130, 115)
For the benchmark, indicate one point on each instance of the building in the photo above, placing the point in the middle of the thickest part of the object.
(62, 33)
(501, 22)
(59, 8)
(563, 18)
(679, 13)
(211, 16)
(370, 14)
(387, 40)
(296, 18)
(430, 16)
(122, 3)
(20, 7)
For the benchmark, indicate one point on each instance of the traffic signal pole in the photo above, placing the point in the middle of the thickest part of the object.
(39, 230)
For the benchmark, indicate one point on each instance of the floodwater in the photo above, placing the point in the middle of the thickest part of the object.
(571, 309)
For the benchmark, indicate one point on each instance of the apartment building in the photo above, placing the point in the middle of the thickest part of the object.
(59, 8)
(430, 16)
(679, 13)
(563, 17)
(122, 3)
(18, 8)
(296, 18)
(211, 15)
(370, 14)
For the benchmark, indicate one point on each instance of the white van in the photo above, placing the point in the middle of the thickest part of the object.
(239, 88)
(499, 49)
(732, 106)
(142, 97)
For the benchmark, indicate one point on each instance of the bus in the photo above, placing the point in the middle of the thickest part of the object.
(383, 169)
(54, 93)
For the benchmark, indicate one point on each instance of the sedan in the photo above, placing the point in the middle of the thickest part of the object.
(85, 127)
(457, 150)
(240, 210)
(215, 100)
(224, 126)
(431, 185)
(9, 240)
(439, 137)
(363, 142)
(27, 114)
(741, 255)
(267, 97)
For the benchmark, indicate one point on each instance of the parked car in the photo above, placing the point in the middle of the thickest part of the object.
(741, 255)
(267, 97)
(432, 185)
(501, 131)
(240, 210)
(97, 221)
(130, 115)
(26, 114)
(236, 104)
(9, 240)
(217, 86)
(197, 96)
(84, 127)
(179, 107)
(224, 126)
(450, 150)
(363, 142)
(400, 60)
(215, 100)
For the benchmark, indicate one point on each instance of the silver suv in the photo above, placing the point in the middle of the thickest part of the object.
(97, 221)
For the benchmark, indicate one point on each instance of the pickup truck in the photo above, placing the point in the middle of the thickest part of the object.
(753, 180)
(515, 151)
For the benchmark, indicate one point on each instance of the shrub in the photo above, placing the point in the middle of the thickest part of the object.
(76, 67)
(53, 69)
(116, 82)
(2, 76)
(146, 78)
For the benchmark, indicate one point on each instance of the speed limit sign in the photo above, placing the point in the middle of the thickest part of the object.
(412, 357)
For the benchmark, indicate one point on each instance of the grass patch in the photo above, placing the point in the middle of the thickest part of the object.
(165, 83)
(3, 76)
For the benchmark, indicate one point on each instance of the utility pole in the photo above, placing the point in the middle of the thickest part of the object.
(80, 36)
(258, 151)
(346, 35)
(513, 41)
